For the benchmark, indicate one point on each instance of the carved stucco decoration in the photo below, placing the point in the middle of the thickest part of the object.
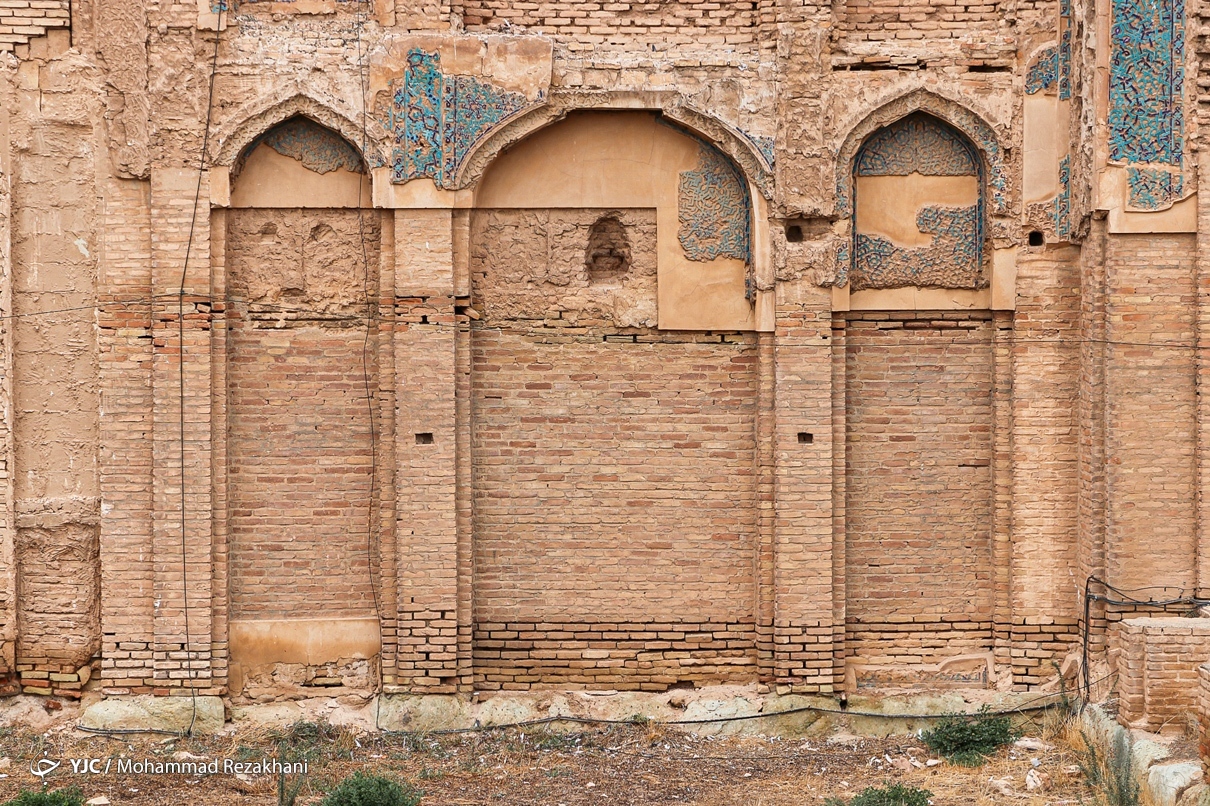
(121, 28)
(920, 144)
(318, 148)
(1146, 118)
(435, 119)
(714, 210)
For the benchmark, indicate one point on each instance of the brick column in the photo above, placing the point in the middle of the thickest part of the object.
(1090, 521)
(125, 465)
(8, 526)
(427, 535)
(1045, 453)
(803, 625)
(1202, 289)
(179, 665)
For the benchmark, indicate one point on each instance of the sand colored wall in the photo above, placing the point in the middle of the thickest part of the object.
(613, 465)
(1157, 661)
(918, 509)
(299, 453)
(1046, 604)
(626, 160)
(1149, 395)
(534, 401)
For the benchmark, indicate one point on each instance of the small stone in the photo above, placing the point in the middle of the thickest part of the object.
(1033, 781)
(99, 800)
(1037, 745)
(5, 763)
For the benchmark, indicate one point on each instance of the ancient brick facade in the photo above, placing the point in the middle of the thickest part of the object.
(420, 347)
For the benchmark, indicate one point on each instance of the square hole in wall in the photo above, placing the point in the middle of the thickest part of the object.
(424, 439)
(804, 438)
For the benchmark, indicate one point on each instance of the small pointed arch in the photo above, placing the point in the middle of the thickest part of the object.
(254, 120)
(299, 163)
(989, 145)
(918, 208)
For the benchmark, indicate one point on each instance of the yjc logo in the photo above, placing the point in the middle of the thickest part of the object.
(44, 767)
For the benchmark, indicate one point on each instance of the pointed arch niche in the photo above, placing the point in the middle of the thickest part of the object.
(620, 160)
(298, 248)
(919, 223)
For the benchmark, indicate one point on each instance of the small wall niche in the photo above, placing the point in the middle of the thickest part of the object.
(607, 257)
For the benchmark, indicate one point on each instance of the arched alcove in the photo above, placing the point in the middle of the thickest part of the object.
(636, 160)
(300, 250)
(918, 208)
(919, 414)
(612, 451)
(300, 163)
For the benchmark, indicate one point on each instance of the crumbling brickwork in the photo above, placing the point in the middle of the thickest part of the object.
(23, 20)
(1158, 679)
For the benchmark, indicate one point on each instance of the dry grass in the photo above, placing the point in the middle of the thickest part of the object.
(634, 765)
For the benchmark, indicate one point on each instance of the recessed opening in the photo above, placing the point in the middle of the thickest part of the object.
(794, 233)
(608, 254)
(1036, 238)
(424, 439)
(804, 438)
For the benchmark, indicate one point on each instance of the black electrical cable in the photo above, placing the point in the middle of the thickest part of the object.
(197, 195)
(1126, 600)
(1026, 707)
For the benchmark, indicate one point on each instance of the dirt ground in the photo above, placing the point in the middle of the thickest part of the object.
(621, 764)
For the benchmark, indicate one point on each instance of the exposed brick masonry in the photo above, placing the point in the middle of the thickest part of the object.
(614, 481)
(919, 489)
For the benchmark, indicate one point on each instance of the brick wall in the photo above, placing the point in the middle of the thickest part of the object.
(1150, 398)
(614, 485)
(918, 485)
(639, 22)
(299, 429)
(1157, 662)
(21, 20)
(1045, 372)
(875, 20)
(1203, 717)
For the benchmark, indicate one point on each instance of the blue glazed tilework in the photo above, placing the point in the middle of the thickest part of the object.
(714, 209)
(953, 260)
(843, 261)
(436, 119)
(316, 147)
(917, 144)
(1043, 72)
(763, 144)
(1152, 189)
(1061, 211)
(1146, 81)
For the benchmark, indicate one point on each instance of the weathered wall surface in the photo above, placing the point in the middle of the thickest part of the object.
(1157, 661)
(704, 343)
(1149, 391)
(55, 407)
(918, 471)
(1045, 371)
(299, 449)
(614, 465)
